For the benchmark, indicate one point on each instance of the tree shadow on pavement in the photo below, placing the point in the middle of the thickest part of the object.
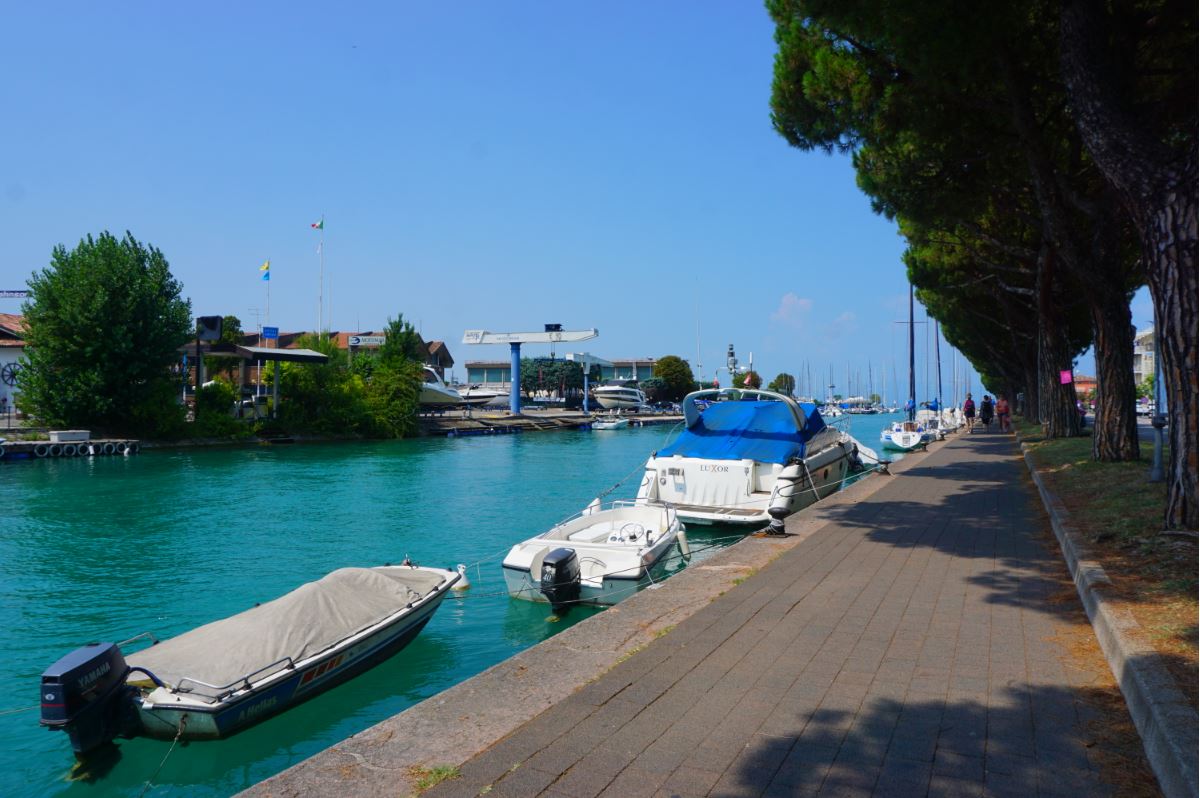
(1051, 741)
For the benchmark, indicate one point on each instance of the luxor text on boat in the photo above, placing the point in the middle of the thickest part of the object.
(756, 456)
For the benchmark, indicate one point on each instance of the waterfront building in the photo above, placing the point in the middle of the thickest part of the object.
(1143, 355)
(12, 347)
(494, 374)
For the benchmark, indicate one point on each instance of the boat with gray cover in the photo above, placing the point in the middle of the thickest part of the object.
(220, 678)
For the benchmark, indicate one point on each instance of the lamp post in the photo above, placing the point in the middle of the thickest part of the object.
(1159, 421)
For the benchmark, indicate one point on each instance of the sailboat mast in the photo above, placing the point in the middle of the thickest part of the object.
(937, 348)
(912, 374)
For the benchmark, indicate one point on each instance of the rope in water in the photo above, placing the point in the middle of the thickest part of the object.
(150, 781)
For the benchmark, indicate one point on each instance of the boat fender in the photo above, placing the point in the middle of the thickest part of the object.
(108, 448)
(681, 539)
(55, 450)
(1, 451)
(68, 450)
(121, 448)
(463, 583)
(41, 450)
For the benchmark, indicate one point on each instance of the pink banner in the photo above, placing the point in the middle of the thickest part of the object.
(1064, 377)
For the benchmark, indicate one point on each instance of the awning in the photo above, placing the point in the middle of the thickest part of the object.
(255, 353)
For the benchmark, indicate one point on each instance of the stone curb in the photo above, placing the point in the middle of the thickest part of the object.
(454, 725)
(1164, 719)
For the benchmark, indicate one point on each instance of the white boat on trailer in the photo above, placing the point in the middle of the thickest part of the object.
(599, 556)
(620, 395)
(754, 457)
(220, 678)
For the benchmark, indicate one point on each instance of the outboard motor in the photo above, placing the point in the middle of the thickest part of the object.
(560, 578)
(85, 695)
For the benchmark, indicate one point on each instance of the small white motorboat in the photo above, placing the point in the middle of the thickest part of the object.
(477, 396)
(598, 556)
(610, 423)
(905, 436)
(230, 674)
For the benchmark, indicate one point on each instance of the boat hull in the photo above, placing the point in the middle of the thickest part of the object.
(671, 480)
(193, 721)
(608, 591)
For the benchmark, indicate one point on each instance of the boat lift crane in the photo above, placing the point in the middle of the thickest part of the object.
(553, 334)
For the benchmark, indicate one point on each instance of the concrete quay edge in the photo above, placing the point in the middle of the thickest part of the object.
(451, 727)
(1165, 721)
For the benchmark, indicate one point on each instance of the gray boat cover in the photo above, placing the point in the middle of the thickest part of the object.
(306, 621)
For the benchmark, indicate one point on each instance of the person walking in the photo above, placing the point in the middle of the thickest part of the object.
(986, 409)
(969, 412)
(1002, 413)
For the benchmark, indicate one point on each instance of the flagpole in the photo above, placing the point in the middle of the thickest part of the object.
(268, 292)
(321, 283)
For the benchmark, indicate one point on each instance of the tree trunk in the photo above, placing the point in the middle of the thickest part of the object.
(1114, 435)
(1157, 184)
(1056, 405)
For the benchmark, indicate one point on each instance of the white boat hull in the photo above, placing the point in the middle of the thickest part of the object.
(610, 571)
(742, 491)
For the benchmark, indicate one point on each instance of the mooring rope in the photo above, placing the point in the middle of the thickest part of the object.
(150, 781)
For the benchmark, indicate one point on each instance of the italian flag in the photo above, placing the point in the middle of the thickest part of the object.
(319, 225)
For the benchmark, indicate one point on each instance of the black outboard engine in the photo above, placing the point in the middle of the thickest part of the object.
(560, 578)
(85, 695)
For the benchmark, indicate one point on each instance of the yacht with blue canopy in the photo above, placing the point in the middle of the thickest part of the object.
(748, 456)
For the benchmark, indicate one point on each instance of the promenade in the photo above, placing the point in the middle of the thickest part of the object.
(926, 641)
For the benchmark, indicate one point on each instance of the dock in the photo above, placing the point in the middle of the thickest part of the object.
(42, 449)
(460, 423)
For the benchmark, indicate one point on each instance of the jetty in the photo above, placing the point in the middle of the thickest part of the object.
(50, 448)
(481, 422)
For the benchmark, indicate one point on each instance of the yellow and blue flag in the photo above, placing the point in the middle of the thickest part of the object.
(266, 270)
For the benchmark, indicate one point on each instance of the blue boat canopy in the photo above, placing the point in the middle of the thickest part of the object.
(738, 430)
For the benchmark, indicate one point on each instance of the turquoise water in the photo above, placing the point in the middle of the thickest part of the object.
(166, 541)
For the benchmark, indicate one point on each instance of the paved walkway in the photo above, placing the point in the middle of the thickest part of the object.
(911, 647)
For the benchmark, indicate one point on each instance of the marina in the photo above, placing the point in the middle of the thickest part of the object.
(277, 516)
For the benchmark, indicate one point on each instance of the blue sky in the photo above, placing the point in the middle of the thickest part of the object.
(478, 165)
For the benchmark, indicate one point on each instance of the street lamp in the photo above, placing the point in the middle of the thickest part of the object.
(1159, 421)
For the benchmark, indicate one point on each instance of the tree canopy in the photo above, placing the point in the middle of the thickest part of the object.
(997, 145)
(677, 374)
(104, 322)
(783, 383)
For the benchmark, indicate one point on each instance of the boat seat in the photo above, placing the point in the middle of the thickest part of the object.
(595, 533)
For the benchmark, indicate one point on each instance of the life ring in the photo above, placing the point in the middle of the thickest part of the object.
(121, 447)
(55, 450)
(41, 450)
(108, 448)
(68, 450)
